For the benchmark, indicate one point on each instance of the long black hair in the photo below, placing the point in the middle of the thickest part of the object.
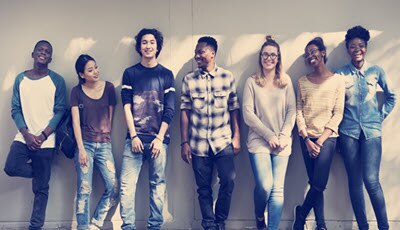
(80, 64)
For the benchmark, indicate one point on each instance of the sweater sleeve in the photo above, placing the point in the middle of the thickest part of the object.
(338, 109)
(249, 116)
(290, 116)
(16, 109)
(126, 90)
(60, 101)
(169, 98)
(300, 121)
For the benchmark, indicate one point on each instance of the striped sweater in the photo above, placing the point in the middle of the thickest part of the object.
(320, 106)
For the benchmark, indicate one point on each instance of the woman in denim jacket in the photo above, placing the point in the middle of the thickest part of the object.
(92, 106)
(361, 128)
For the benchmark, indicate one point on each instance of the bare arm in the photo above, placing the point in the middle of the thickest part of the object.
(235, 130)
(186, 152)
(76, 124)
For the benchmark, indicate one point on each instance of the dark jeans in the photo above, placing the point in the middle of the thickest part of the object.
(39, 170)
(318, 173)
(203, 171)
(362, 159)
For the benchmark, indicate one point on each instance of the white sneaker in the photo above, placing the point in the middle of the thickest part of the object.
(93, 227)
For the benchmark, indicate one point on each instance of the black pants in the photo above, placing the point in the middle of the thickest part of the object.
(39, 169)
(203, 171)
(318, 173)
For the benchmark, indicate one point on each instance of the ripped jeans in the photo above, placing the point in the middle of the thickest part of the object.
(100, 155)
(131, 166)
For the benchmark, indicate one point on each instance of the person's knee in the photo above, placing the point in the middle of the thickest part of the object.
(10, 171)
(111, 188)
(157, 181)
(85, 188)
(228, 180)
(265, 187)
(372, 184)
(277, 191)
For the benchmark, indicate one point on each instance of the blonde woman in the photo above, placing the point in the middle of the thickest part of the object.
(269, 109)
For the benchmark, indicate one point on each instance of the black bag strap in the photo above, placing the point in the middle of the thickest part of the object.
(80, 101)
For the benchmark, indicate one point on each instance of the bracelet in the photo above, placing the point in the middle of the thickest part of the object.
(134, 137)
(319, 145)
(45, 135)
(185, 142)
(159, 138)
(306, 139)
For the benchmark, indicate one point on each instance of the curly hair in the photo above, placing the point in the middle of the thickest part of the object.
(157, 35)
(357, 32)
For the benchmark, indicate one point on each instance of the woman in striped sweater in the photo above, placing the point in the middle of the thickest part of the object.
(320, 102)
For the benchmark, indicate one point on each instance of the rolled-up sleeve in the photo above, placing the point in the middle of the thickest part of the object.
(233, 100)
(186, 102)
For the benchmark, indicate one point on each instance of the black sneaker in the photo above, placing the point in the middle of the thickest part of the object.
(298, 220)
(260, 223)
(321, 228)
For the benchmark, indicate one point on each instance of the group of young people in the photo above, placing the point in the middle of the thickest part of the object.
(331, 108)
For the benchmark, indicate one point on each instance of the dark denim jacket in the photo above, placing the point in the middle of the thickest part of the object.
(361, 112)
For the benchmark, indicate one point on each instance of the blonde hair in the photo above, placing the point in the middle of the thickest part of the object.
(280, 79)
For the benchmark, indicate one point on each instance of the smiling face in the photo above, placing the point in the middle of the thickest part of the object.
(313, 56)
(269, 57)
(204, 55)
(357, 49)
(148, 46)
(91, 72)
(42, 54)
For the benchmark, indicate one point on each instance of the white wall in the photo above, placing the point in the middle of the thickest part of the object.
(105, 29)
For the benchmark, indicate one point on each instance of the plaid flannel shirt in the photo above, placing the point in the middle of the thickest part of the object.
(209, 96)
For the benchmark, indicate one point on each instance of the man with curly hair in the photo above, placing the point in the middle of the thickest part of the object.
(148, 96)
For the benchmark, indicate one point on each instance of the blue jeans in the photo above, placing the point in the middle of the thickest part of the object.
(269, 174)
(318, 173)
(100, 155)
(362, 159)
(203, 171)
(39, 170)
(131, 166)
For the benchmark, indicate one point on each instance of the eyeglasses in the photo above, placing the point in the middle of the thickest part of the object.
(266, 55)
(311, 52)
(359, 46)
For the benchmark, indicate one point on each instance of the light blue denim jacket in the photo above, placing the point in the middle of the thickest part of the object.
(362, 112)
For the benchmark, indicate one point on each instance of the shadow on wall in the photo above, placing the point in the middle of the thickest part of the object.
(239, 56)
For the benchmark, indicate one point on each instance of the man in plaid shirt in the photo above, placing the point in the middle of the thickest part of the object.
(209, 103)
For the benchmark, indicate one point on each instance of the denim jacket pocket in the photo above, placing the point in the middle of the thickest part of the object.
(350, 88)
(371, 83)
